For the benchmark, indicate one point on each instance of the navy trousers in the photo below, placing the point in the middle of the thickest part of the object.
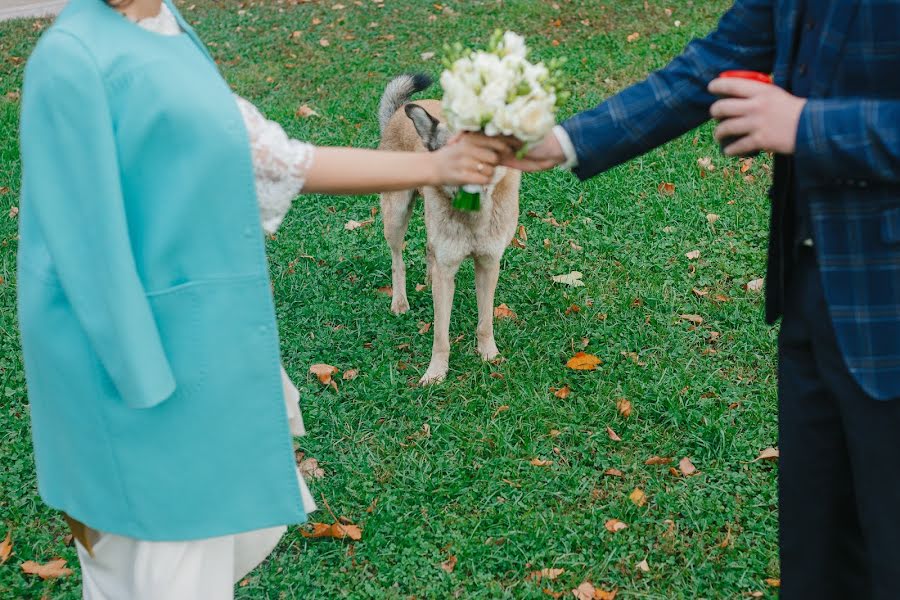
(839, 479)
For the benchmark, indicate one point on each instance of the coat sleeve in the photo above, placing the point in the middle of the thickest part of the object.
(673, 100)
(847, 140)
(71, 186)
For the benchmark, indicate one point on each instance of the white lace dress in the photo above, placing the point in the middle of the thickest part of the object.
(280, 165)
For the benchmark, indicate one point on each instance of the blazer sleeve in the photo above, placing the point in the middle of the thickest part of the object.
(71, 186)
(673, 100)
(848, 139)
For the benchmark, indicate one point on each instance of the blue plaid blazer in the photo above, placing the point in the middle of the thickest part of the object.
(847, 161)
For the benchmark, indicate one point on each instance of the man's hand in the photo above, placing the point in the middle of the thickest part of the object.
(546, 154)
(759, 116)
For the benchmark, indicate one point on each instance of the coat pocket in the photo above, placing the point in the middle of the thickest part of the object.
(890, 226)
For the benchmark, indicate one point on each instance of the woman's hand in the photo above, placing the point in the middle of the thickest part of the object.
(469, 158)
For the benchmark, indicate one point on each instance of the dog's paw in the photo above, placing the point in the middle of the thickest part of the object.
(399, 305)
(433, 376)
(488, 350)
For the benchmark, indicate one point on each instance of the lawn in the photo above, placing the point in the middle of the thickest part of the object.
(447, 471)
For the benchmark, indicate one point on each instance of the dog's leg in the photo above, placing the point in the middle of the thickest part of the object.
(443, 286)
(487, 272)
(396, 209)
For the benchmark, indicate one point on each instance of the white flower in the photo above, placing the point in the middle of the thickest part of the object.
(513, 44)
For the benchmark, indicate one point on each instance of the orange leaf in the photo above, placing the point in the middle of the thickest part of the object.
(604, 595)
(666, 189)
(583, 362)
(615, 525)
(323, 372)
(768, 454)
(774, 582)
(624, 407)
(746, 164)
(522, 234)
(613, 472)
(687, 467)
(562, 393)
(504, 312)
(336, 531)
(449, 564)
(6, 547)
(612, 434)
(638, 497)
(574, 308)
(517, 243)
(658, 460)
(51, 570)
(386, 290)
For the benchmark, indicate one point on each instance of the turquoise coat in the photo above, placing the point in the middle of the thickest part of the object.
(148, 329)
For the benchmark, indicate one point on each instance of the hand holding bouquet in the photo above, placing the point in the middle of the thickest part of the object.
(499, 92)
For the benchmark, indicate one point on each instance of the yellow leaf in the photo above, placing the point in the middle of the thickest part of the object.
(583, 362)
(538, 462)
(638, 497)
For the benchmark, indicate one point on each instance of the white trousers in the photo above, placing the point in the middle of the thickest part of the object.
(127, 569)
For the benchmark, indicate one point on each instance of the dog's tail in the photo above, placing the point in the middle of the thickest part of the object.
(398, 92)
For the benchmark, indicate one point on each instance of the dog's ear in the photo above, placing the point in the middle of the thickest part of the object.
(426, 125)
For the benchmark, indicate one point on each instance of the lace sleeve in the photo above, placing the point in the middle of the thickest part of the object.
(280, 165)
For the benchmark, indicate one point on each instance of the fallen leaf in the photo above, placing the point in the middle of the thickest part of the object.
(504, 312)
(13, 212)
(552, 594)
(351, 224)
(4, 190)
(575, 246)
(305, 112)
(500, 409)
(638, 497)
(522, 234)
(316, 21)
(538, 462)
(585, 591)
(746, 164)
(773, 582)
(555, 433)
(633, 37)
(612, 472)
(658, 460)
(517, 243)
(350, 374)
(336, 530)
(768, 454)
(51, 570)
(310, 468)
(711, 218)
(573, 279)
(13, 96)
(686, 467)
(6, 547)
(574, 308)
(635, 357)
(666, 188)
(615, 525)
(323, 372)
(755, 285)
(612, 434)
(706, 163)
(695, 319)
(338, 7)
(387, 290)
(562, 393)
(583, 362)
(420, 287)
(693, 255)
(623, 405)
(604, 595)
(426, 55)
(548, 574)
(700, 293)
(643, 566)
(449, 564)
(324, 43)
(424, 328)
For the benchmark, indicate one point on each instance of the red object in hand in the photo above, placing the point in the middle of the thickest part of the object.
(751, 75)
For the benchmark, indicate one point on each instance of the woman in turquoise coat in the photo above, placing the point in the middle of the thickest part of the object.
(146, 315)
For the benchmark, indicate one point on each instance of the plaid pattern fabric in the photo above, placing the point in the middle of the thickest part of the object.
(847, 161)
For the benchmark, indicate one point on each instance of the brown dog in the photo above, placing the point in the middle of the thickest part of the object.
(453, 235)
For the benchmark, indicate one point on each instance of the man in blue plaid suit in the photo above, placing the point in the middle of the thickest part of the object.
(833, 121)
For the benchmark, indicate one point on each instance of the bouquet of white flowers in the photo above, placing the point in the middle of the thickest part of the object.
(499, 92)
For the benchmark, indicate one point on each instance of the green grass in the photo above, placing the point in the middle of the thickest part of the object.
(468, 489)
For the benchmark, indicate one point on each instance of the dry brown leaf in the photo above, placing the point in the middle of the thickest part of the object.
(658, 460)
(574, 308)
(612, 434)
(773, 582)
(562, 393)
(310, 468)
(573, 279)
(424, 327)
(746, 164)
(552, 594)
(583, 362)
(449, 564)
(548, 574)
(604, 595)
(693, 255)
(633, 37)
(755, 285)
(585, 591)
(350, 374)
(638, 497)
(351, 224)
(711, 218)
(706, 163)
(666, 188)
(643, 566)
(623, 405)
(500, 409)
(504, 312)
(338, 531)
(768, 454)
(51, 570)
(316, 21)
(700, 293)
(305, 112)
(323, 372)
(695, 319)
(420, 287)
(612, 472)
(426, 55)
(324, 43)
(13, 212)
(517, 243)
(615, 525)
(635, 357)
(539, 462)
(387, 290)
(686, 467)
(523, 235)
(6, 547)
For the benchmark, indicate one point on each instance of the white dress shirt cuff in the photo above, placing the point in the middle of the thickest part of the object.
(568, 149)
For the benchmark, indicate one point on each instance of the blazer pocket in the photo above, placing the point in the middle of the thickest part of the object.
(890, 226)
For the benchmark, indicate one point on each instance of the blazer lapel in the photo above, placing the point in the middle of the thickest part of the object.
(834, 34)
